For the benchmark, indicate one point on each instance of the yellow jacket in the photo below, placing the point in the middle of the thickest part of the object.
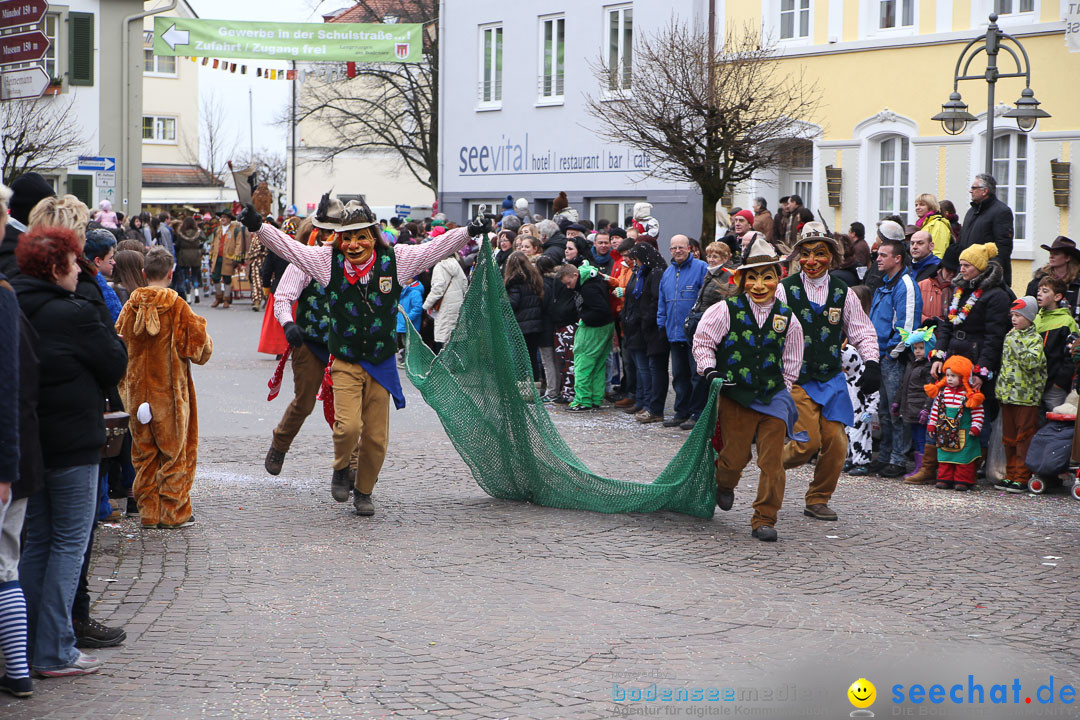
(940, 230)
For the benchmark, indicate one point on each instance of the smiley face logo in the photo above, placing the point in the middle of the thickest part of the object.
(862, 693)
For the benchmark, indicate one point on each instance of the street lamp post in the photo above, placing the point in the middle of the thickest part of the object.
(954, 115)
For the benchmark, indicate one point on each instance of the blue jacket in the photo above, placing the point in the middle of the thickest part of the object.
(679, 288)
(897, 303)
(412, 302)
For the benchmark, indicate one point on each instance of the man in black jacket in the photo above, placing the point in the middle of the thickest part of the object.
(989, 220)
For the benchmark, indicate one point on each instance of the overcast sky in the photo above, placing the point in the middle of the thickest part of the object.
(269, 98)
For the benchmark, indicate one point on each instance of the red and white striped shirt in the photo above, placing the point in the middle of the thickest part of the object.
(955, 399)
(316, 263)
(857, 326)
(716, 322)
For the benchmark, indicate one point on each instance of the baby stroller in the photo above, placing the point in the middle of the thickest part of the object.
(1049, 456)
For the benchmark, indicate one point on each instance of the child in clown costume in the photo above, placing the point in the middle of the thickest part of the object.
(956, 419)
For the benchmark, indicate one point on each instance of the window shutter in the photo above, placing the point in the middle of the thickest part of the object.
(80, 48)
(82, 187)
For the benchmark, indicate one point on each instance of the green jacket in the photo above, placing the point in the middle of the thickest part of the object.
(1023, 368)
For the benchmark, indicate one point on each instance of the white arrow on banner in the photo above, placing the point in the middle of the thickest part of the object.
(174, 37)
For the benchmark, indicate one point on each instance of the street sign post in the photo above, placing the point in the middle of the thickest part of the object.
(104, 179)
(22, 12)
(23, 84)
(403, 211)
(320, 42)
(23, 47)
(94, 162)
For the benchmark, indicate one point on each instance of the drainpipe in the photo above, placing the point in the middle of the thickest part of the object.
(125, 82)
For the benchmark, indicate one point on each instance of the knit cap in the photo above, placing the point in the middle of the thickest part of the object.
(746, 215)
(979, 255)
(1025, 306)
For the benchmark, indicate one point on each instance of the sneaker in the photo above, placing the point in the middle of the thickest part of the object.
(688, 425)
(765, 533)
(874, 467)
(274, 460)
(1003, 485)
(649, 418)
(859, 470)
(187, 523)
(546, 398)
(579, 408)
(943, 485)
(132, 508)
(83, 665)
(363, 505)
(675, 422)
(1017, 487)
(19, 687)
(340, 484)
(961, 486)
(92, 634)
(892, 471)
(560, 400)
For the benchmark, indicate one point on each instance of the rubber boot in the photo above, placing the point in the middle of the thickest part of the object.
(926, 470)
(219, 297)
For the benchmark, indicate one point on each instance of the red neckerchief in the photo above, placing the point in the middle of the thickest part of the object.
(354, 273)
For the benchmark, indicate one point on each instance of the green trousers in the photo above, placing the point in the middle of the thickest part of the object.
(591, 348)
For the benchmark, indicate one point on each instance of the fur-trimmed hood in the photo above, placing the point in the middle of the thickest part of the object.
(991, 277)
(149, 304)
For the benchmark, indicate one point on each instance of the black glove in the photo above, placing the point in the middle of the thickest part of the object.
(250, 218)
(711, 374)
(479, 227)
(293, 334)
(870, 382)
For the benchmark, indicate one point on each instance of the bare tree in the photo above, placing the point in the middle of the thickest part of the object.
(712, 134)
(390, 107)
(38, 134)
(213, 139)
(269, 167)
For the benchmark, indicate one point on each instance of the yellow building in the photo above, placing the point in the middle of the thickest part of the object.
(883, 69)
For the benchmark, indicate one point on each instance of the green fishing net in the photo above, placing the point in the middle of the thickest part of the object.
(481, 387)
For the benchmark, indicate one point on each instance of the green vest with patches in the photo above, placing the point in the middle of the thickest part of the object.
(312, 315)
(751, 357)
(822, 329)
(363, 318)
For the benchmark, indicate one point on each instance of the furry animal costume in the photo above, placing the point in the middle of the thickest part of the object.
(860, 439)
(163, 337)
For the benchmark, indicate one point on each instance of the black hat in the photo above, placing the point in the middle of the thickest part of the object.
(951, 259)
(616, 231)
(27, 191)
(577, 226)
(227, 212)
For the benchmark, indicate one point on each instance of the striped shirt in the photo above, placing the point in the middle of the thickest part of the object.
(955, 399)
(857, 326)
(716, 322)
(315, 263)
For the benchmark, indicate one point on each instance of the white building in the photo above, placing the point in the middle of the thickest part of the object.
(513, 83)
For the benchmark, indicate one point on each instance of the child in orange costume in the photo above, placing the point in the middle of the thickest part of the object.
(163, 338)
(956, 418)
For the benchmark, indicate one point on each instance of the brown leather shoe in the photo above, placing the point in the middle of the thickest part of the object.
(219, 297)
(274, 460)
(648, 418)
(625, 402)
(821, 511)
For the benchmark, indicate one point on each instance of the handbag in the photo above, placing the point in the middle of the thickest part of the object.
(950, 436)
(116, 429)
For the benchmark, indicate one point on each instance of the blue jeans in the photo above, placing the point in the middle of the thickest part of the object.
(690, 389)
(895, 435)
(658, 379)
(643, 384)
(58, 522)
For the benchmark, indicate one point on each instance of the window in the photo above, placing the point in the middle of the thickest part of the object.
(493, 206)
(157, 64)
(157, 129)
(1009, 7)
(805, 190)
(491, 66)
(620, 47)
(893, 177)
(1011, 173)
(552, 48)
(794, 19)
(49, 26)
(614, 210)
(896, 13)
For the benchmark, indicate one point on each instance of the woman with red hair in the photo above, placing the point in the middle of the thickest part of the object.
(80, 357)
(956, 418)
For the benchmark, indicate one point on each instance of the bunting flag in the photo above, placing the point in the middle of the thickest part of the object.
(328, 72)
(215, 63)
(350, 70)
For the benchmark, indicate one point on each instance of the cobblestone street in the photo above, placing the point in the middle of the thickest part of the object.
(280, 603)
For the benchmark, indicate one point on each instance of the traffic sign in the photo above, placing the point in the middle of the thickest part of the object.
(93, 162)
(403, 211)
(23, 84)
(21, 12)
(23, 47)
(105, 179)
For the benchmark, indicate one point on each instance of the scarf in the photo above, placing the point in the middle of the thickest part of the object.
(357, 272)
(639, 285)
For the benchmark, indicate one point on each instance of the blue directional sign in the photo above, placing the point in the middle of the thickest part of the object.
(94, 162)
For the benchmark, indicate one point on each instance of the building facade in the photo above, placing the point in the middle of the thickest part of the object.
(883, 68)
(513, 120)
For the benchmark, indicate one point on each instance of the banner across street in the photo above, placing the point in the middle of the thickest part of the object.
(350, 42)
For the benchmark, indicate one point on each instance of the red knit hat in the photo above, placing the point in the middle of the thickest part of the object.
(745, 215)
